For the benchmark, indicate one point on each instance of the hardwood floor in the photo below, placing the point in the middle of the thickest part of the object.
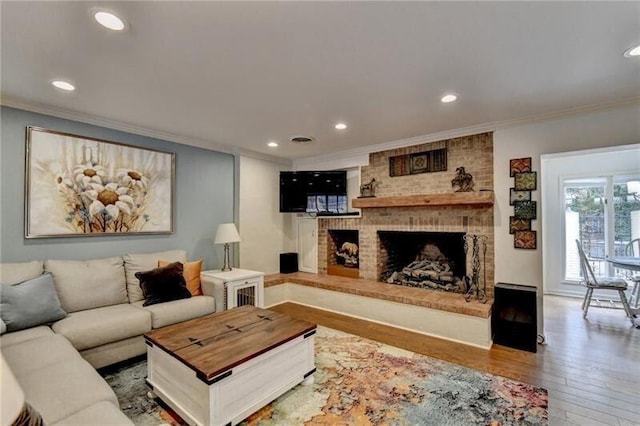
(591, 368)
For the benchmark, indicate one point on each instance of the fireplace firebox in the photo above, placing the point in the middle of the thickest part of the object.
(434, 260)
(343, 257)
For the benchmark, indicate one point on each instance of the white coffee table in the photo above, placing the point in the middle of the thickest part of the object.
(219, 369)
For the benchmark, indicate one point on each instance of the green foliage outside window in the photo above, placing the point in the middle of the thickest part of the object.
(589, 202)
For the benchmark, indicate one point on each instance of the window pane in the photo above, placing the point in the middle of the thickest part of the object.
(584, 221)
(626, 208)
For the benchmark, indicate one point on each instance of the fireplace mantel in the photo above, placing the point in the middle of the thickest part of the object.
(475, 199)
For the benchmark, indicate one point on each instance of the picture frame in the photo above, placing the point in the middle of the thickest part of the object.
(515, 196)
(519, 165)
(419, 162)
(526, 181)
(525, 240)
(78, 186)
(516, 224)
(525, 209)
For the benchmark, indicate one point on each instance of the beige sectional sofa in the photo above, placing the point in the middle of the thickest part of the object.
(55, 365)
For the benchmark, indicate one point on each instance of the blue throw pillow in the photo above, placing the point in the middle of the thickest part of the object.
(29, 304)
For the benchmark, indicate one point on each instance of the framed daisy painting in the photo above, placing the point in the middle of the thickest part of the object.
(79, 186)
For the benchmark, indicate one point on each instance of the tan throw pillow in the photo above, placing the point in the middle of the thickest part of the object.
(191, 275)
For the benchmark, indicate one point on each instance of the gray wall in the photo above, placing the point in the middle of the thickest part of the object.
(204, 197)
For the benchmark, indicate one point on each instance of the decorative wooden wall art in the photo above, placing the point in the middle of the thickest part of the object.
(525, 181)
(420, 162)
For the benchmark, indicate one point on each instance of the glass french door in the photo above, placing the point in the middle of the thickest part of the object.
(604, 214)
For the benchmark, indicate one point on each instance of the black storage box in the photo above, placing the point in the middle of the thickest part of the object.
(514, 318)
(288, 263)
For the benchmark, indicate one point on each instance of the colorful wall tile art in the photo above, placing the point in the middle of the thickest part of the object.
(524, 209)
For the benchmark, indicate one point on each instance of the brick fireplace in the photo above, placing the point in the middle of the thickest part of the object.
(475, 153)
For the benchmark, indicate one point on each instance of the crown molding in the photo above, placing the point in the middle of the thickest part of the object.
(334, 161)
(266, 157)
(115, 125)
(357, 153)
(347, 158)
(632, 148)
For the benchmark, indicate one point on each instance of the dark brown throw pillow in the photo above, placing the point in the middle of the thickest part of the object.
(163, 284)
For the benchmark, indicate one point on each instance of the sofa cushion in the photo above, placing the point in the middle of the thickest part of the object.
(163, 284)
(38, 353)
(111, 353)
(28, 416)
(191, 274)
(11, 396)
(169, 313)
(95, 327)
(104, 413)
(29, 304)
(24, 335)
(87, 284)
(62, 389)
(139, 262)
(13, 273)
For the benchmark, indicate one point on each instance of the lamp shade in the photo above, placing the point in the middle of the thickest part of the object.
(227, 233)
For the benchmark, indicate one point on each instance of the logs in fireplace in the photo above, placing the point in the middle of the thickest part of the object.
(428, 273)
(432, 260)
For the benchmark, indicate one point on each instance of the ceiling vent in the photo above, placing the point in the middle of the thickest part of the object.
(302, 139)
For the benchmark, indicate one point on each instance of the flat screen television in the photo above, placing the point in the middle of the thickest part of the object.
(321, 192)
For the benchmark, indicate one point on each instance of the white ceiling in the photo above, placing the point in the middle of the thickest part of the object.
(238, 74)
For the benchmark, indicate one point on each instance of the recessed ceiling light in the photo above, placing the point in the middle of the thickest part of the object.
(634, 51)
(449, 98)
(341, 126)
(64, 85)
(272, 144)
(109, 20)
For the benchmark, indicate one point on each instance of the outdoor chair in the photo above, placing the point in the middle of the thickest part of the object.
(592, 283)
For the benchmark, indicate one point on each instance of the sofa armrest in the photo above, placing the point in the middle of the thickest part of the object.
(208, 285)
(213, 287)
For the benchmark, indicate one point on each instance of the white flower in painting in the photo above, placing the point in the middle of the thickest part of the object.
(132, 178)
(64, 180)
(89, 173)
(110, 198)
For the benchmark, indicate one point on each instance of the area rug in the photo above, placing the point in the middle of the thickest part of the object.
(362, 382)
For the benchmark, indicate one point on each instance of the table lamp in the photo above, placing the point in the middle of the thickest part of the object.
(226, 233)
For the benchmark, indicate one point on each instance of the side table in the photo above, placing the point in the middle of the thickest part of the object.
(237, 287)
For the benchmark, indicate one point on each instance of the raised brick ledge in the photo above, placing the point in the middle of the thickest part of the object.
(450, 302)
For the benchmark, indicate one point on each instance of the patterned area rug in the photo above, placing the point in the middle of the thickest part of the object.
(362, 382)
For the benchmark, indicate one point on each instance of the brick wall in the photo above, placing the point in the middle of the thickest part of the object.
(475, 153)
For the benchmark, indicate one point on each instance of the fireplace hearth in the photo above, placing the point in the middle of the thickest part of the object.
(433, 260)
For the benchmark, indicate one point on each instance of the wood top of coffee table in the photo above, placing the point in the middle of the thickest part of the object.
(215, 343)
